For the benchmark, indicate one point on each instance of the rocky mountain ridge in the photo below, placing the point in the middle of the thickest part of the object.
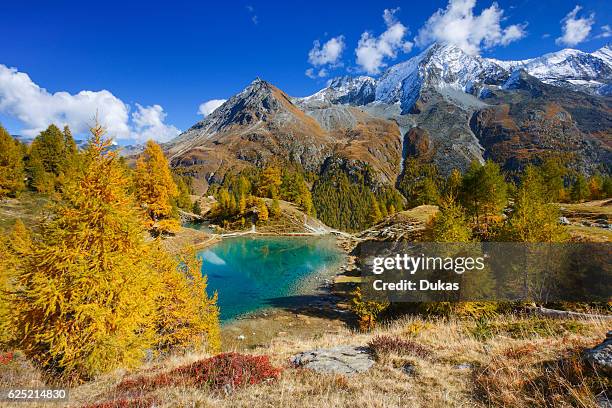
(442, 106)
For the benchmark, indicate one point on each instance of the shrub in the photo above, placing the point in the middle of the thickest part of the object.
(6, 358)
(366, 310)
(125, 403)
(382, 345)
(475, 310)
(225, 370)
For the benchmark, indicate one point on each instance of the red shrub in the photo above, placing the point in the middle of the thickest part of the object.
(227, 369)
(381, 345)
(6, 358)
(125, 403)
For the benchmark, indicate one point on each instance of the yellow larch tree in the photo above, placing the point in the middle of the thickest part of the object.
(87, 303)
(156, 189)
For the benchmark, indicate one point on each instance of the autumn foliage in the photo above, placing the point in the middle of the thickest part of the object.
(92, 294)
(156, 189)
(233, 370)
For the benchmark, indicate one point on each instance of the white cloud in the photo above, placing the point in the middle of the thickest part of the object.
(254, 17)
(330, 53)
(575, 30)
(606, 32)
(36, 108)
(371, 51)
(209, 107)
(458, 25)
(149, 124)
(314, 74)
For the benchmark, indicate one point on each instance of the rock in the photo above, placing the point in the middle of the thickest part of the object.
(600, 356)
(463, 366)
(241, 337)
(564, 221)
(409, 369)
(338, 360)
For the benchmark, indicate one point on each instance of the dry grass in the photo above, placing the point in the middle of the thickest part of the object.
(459, 369)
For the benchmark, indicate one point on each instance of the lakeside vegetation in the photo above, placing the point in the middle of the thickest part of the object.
(86, 291)
(89, 289)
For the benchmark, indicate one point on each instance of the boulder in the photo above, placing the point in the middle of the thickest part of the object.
(600, 356)
(338, 360)
(564, 221)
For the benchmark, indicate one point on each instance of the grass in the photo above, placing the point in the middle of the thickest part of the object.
(29, 207)
(524, 362)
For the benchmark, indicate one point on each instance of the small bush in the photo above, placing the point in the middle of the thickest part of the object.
(383, 345)
(6, 358)
(224, 370)
(475, 310)
(125, 403)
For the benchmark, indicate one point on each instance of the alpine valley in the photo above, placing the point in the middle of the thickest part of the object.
(443, 106)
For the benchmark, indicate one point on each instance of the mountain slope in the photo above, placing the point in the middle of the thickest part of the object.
(442, 106)
(261, 124)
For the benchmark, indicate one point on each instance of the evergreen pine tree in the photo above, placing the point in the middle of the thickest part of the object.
(375, 214)
(580, 189)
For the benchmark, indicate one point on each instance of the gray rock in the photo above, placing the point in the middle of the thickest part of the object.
(463, 366)
(409, 369)
(600, 356)
(338, 360)
(564, 221)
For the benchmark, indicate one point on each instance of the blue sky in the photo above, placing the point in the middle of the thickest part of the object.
(161, 60)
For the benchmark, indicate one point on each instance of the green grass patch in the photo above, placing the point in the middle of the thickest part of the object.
(522, 329)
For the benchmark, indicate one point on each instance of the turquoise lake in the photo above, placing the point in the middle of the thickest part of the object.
(251, 273)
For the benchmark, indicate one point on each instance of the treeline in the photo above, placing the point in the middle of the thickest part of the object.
(348, 202)
(240, 196)
(421, 183)
(85, 292)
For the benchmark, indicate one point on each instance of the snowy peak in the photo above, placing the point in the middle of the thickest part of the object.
(448, 66)
(439, 66)
(604, 53)
(570, 68)
(345, 90)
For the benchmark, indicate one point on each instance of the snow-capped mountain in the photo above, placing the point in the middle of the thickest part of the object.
(447, 66)
(443, 106)
(345, 90)
(569, 68)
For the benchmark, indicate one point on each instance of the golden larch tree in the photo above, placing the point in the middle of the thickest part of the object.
(156, 189)
(87, 300)
(11, 165)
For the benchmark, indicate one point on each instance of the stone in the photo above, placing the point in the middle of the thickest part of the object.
(338, 360)
(463, 366)
(564, 221)
(600, 356)
(409, 369)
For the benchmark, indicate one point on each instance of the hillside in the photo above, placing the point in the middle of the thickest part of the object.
(442, 106)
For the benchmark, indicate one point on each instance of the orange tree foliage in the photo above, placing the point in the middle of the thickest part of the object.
(156, 189)
(11, 165)
(13, 248)
(91, 292)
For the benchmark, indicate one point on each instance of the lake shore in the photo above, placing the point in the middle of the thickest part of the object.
(321, 309)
